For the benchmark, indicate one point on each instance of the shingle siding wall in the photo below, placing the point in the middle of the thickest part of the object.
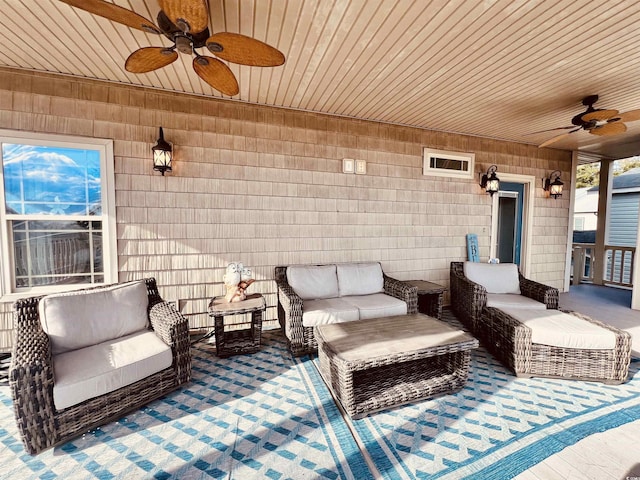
(623, 220)
(265, 186)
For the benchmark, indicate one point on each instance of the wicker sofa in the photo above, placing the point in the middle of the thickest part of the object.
(469, 299)
(70, 373)
(310, 295)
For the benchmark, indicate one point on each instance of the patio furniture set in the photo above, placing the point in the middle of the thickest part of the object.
(379, 340)
(375, 361)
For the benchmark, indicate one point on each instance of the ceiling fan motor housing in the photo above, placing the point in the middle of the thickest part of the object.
(588, 102)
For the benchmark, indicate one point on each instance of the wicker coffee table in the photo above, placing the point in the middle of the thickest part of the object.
(370, 365)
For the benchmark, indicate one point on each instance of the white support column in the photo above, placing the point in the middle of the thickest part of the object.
(572, 202)
(635, 277)
(604, 201)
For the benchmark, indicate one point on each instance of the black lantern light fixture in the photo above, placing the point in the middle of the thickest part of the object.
(553, 184)
(489, 181)
(162, 154)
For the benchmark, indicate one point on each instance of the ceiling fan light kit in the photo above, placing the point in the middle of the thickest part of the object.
(185, 23)
(596, 121)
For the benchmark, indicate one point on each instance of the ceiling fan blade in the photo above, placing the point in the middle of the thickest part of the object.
(551, 130)
(148, 59)
(599, 115)
(630, 116)
(614, 128)
(237, 48)
(554, 140)
(115, 13)
(216, 74)
(189, 15)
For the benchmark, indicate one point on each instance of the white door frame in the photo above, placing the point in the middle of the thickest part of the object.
(528, 199)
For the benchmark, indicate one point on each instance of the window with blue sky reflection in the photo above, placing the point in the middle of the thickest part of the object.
(53, 201)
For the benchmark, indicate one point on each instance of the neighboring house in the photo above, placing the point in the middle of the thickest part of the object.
(585, 212)
(623, 215)
(623, 210)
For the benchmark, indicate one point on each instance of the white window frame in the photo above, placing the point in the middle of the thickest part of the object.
(429, 153)
(110, 257)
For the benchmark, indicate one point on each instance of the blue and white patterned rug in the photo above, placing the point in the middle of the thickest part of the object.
(269, 416)
(496, 427)
(246, 417)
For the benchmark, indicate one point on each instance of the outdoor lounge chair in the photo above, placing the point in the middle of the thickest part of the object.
(511, 289)
(519, 323)
(87, 357)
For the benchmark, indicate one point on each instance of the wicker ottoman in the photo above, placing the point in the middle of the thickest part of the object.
(509, 340)
(370, 365)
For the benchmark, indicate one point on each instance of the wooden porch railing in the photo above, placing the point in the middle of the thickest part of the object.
(618, 269)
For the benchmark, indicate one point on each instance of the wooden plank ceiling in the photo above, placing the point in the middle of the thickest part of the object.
(493, 68)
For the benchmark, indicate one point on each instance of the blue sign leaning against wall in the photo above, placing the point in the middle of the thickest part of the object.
(472, 247)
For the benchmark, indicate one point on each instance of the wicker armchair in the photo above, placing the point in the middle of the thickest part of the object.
(301, 339)
(469, 299)
(32, 378)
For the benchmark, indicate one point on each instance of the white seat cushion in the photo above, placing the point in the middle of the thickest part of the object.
(360, 278)
(98, 369)
(75, 320)
(507, 300)
(311, 282)
(377, 305)
(328, 310)
(495, 277)
(628, 325)
(559, 329)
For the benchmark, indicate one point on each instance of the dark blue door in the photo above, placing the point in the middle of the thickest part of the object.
(510, 208)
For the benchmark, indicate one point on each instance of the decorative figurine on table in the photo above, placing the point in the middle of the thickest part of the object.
(236, 280)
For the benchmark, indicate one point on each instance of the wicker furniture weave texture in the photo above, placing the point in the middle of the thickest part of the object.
(31, 377)
(509, 341)
(379, 363)
(469, 299)
(430, 297)
(301, 339)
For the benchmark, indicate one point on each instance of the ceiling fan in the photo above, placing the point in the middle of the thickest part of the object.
(185, 23)
(596, 121)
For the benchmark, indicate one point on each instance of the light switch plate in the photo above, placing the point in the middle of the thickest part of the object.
(348, 165)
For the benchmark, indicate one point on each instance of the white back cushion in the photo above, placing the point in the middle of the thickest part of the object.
(360, 278)
(76, 320)
(495, 277)
(311, 282)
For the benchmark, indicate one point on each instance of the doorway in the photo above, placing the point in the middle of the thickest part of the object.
(509, 235)
(511, 220)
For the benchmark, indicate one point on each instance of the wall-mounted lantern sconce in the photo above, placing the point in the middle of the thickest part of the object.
(553, 185)
(489, 181)
(162, 155)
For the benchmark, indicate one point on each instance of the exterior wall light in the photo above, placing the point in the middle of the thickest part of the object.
(489, 181)
(553, 184)
(162, 155)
